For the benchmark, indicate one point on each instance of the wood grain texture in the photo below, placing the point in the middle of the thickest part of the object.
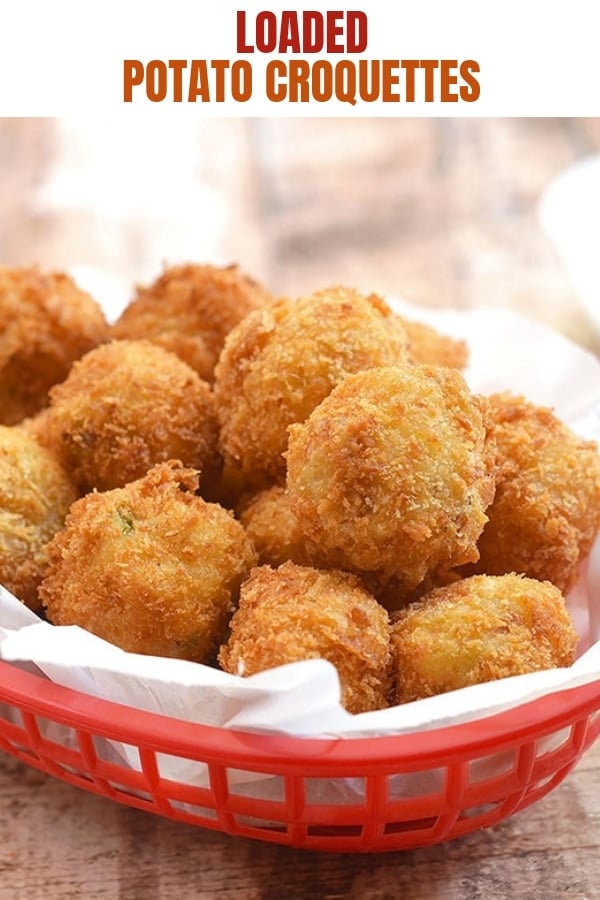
(442, 212)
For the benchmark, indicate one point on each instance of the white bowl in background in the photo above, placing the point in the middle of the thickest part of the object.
(570, 214)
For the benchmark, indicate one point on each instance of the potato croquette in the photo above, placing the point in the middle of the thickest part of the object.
(479, 629)
(430, 347)
(46, 323)
(124, 407)
(150, 567)
(294, 613)
(391, 474)
(189, 310)
(35, 496)
(546, 512)
(273, 528)
(280, 362)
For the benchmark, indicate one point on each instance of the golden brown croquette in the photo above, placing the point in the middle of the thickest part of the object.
(150, 567)
(280, 362)
(190, 309)
(390, 474)
(479, 629)
(46, 322)
(35, 496)
(296, 612)
(546, 512)
(126, 406)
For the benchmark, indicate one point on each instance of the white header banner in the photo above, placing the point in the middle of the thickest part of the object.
(425, 58)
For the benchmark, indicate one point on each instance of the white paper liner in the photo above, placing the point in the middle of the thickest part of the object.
(508, 352)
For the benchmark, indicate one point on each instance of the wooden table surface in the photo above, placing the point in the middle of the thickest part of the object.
(442, 212)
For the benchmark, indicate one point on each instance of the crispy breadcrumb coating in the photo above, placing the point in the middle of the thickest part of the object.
(150, 567)
(46, 322)
(479, 629)
(546, 512)
(294, 613)
(390, 474)
(124, 407)
(273, 528)
(279, 363)
(190, 309)
(431, 347)
(35, 496)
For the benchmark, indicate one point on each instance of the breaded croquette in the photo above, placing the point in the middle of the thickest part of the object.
(46, 322)
(273, 528)
(479, 629)
(35, 496)
(390, 475)
(124, 407)
(546, 512)
(295, 612)
(431, 347)
(190, 309)
(280, 362)
(151, 567)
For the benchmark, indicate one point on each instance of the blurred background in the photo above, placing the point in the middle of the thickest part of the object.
(443, 212)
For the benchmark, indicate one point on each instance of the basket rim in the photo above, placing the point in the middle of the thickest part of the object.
(436, 746)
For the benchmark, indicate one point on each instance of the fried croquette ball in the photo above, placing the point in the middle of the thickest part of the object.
(546, 512)
(280, 362)
(35, 496)
(124, 407)
(273, 528)
(46, 322)
(295, 612)
(391, 475)
(430, 347)
(190, 309)
(479, 629)
(150, 567)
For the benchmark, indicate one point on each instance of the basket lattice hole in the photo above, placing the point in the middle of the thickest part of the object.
(127, 790)
(57, 734)
(245, 783)
(10, 714)
(428, 782)
(594, 723)
(335, 831)
(554, 743)
(544, 785)
(116, 752)
(476, 812)
(496, 764)
(255, 822)
(78, 773)
(23, 750)
(349, 791)
(197, 813)
(416, 825)
(177, 768)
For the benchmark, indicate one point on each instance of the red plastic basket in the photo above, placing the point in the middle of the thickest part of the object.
(473, 775)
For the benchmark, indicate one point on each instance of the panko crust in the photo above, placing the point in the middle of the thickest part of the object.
(35, 496)
(273, 528)
(150, 567)
(190, 309)
(430, 347)
(479, 629)
(546, 512)
(279, 363)
(46, 322)
(391, 475)
(126, 406)
(296, 612)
